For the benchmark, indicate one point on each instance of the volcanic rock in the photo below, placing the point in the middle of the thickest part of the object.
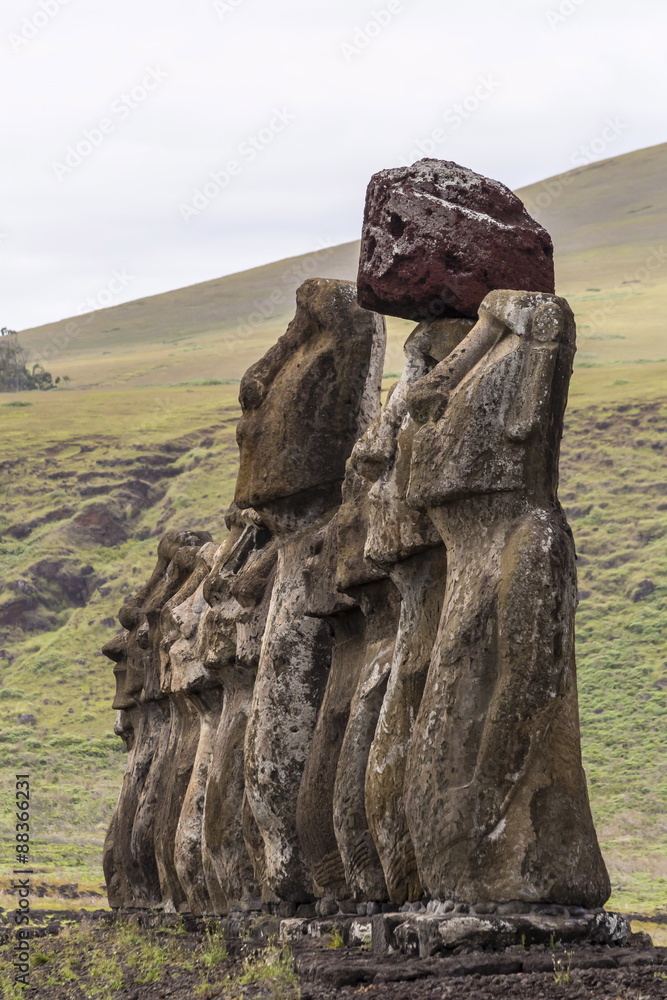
(314, 386)
(438, 237)
(495, 791)
(304, 406)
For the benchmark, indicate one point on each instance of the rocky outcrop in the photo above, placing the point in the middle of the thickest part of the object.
(366, 696)
(438, 237)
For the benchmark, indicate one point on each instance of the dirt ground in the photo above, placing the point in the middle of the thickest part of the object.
(100, 957)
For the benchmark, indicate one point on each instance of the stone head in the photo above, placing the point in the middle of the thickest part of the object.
(306, 402)
(491, 414)
(383, 454)
(135, 651)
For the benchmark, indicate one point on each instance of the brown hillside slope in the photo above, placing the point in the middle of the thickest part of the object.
(607, 221)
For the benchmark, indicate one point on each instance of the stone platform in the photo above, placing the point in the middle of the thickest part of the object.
(426, 934)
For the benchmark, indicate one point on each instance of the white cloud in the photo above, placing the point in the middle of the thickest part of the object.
(226, 72)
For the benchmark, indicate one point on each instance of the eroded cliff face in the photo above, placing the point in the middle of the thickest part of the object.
(367, 693)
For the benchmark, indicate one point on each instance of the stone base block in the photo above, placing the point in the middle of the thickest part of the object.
(424, 935)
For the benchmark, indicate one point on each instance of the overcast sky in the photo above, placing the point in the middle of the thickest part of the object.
(118, 112)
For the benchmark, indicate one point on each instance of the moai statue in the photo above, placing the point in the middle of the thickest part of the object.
(405, 542)
(206, 668)
(334, 818)
(119, 892)
(495, 792)
(174, 762)
(304, 405)
(355, 613)
(379, 602)
(188, 683)
(237, 593)
(335, 773)
(129, 855)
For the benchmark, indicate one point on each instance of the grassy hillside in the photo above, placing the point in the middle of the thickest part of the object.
(607, 220)
(143, 440)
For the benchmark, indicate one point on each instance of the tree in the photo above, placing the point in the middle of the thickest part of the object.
(14, 373)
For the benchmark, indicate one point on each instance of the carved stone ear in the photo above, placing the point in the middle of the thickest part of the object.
(143, 636)
(548, 322)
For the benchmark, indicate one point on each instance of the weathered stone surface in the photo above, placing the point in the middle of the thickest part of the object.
(126, 881)
(169, 779)
(163, 796)
(293, 668)
(352, 522)
(312, 386)
(304, 405)
(130, 864)
(179, 661)
(237, 592)
(428, 935)
(420, 583)
(380, 605)
(365, 698)
(496, 795)
(202, 893)
(331, 816)
(184, 679)
(314, 817)
(404, 541)
(347, 972)
(438, 237)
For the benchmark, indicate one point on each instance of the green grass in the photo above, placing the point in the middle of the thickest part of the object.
(612, 459)
(103, 961)
(613, 486)
(142, 405)
(272, 966)
(214, 950)
(337, 940)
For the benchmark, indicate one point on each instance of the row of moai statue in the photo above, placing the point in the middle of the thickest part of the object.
(367, 692)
